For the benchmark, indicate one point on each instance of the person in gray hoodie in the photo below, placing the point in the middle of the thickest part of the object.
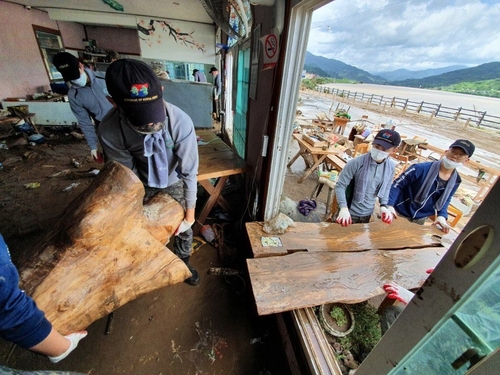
(87, 97)
(156, 140)
(366, 178)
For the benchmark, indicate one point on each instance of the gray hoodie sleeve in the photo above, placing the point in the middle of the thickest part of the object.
(83, 118)
(186, 151)
(345, 178)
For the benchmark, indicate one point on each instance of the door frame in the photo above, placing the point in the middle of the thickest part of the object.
(298, 35)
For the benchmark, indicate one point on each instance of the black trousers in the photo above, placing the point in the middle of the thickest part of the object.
(216, 108)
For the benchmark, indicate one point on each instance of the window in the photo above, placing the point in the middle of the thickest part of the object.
(50, 43)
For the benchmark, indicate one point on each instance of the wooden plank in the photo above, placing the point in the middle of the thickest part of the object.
(212, 148)
(315, 142)
(221, 167)
(332, 237)
(216, 158)
(302, 280)
(336, 161)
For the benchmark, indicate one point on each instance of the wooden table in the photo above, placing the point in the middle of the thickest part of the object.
(320, 263)
(6, 124)
(317, 153)
(219, 161)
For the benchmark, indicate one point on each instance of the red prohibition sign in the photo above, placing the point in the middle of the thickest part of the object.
(271, 46)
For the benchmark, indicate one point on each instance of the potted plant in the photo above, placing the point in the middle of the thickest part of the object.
(340, 120)
(342, 113)
(336, 318)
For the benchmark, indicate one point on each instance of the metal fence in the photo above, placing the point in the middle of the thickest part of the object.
(469, 116)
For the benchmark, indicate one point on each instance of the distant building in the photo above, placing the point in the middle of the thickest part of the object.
(310, 75)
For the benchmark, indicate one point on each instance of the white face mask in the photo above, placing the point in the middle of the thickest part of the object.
(449, 164)
(378, 155)
(80, 82)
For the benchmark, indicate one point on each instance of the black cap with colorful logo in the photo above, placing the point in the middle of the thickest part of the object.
(387, 138)
(136, 89)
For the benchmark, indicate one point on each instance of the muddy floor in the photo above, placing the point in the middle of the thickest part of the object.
(208, 329)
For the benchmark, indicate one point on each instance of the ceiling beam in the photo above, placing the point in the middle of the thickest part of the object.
(92, 17)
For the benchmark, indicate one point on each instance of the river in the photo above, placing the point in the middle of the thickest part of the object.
(447, 99)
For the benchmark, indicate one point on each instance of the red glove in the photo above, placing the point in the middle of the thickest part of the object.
(394, 291)
(97, 156)
(344, 217)
(388, 214)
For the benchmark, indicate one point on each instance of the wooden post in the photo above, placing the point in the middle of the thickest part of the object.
(481, 119)
(437, 110)
(405, 105)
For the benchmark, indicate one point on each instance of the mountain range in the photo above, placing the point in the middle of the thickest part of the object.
(425, 78)
(403, 74)
(337, 69)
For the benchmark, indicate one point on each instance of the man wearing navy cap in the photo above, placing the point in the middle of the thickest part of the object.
(366, 178)
(217, 89)
(87, 97)
(156, 140)
(426, 189)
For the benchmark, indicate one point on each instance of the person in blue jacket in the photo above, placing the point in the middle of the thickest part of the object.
(22, 322)
(426, 189)
(87, 97)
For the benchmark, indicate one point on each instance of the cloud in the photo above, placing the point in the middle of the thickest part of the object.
(414, 35)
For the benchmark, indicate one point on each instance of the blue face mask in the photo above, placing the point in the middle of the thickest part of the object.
(80, 82)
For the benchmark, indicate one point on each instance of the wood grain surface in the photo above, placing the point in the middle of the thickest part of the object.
(302, 280)
(332, 237)
(106, 250)
(216, 158)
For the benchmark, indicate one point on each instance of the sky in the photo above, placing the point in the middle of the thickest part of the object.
(386, 35)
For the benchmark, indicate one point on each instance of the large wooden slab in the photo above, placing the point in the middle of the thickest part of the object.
(309, 279)
(332, 237)
(106, 250)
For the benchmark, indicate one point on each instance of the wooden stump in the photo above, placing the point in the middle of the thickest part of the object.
(106, 250)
